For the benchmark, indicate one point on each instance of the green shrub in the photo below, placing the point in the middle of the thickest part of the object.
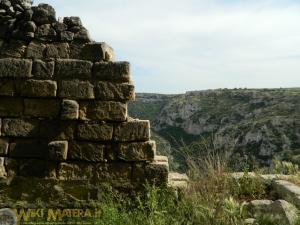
(284, 167)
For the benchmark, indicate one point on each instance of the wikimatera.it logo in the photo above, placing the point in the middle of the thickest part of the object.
(48, 216)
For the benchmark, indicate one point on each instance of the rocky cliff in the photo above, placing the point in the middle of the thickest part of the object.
(253, 126)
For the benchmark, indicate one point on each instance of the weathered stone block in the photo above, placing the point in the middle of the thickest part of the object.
(95, 132)
(57, 130)
(45, 32)
(98, 110)
(41, 107)
(82, 35)
(43, 14)
(135, 130)
(69, 110)
(35, 50)
(57, 50)
(3, 147)
(11, 166)
(116, 174)
(75, 89)
(58, 150)
(15, 67)
(112, 71)
(7, 87)
(75, 50)
(87, 151)
(38, 88)
(36, 168)
(116, 92)
(2, 168)
(14, 49)
(153, 173)
(75, 171)
(28, 149)
(11, 106)
(66, 36)
(20, 128)
(42, 69)
(144, 151)
(97, 52)
(73, 68)
(72, 21)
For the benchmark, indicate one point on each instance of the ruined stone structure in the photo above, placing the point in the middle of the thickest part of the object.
(63, 110)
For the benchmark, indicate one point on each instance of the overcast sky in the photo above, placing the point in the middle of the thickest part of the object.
(181, 45)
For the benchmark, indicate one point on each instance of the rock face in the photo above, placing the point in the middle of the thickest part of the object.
(253, 125)
(63, 110)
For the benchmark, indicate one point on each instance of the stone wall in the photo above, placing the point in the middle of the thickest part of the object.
(63, 105)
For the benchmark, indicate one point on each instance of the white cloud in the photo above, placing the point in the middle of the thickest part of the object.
(176, 45)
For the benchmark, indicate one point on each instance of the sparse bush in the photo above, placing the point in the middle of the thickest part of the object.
(284, 167)
(248, 187)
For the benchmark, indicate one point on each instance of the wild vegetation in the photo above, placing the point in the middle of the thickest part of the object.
(213, 198)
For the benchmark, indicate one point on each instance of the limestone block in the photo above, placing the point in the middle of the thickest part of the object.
(75, 171)
(58, 150)
(87, 151)
(95, 132)
(153, 173)
(139, 151)
(82, 35)
(57, 50)
(135, 130)
(66, 36)
(158, 171)
(178, 181)
(42, 69)
(15, 67)
(287, 190)
(11, 166)
(43, 14)
(261, 205)
(112, 71)
(73, 68)
(20, 128)
(100, 110)
(7, 87)
(2, 168)
(41, 107)
(3, 147)
(116, 174)
(72, 21)
(57, 129)
(97, 52)
(59, 26)
(69, 110)
(116, 92)
(28, 149)
(35, 50)
(14, 49)
(75, 50)
(75, 89)
(279, 208)
(36, 168)
(11, 107)
(38, 88)
(45, 32)
(287, 210)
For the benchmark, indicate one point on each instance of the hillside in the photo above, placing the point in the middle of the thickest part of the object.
(253, 126)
